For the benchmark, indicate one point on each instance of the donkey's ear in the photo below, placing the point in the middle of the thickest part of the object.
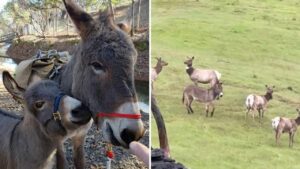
(82, 20)
(12, 87)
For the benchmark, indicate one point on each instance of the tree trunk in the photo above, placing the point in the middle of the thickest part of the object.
(162, 131)
(138, 16)
(132, 19)
(111, 10)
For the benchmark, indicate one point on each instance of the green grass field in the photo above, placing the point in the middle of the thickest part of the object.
(252, 43)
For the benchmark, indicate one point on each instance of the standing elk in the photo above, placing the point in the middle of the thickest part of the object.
(157, 69)
(259, 103)
(201, 75)
(50, 117)
(101, 75)
(207, 96)
(286, 125)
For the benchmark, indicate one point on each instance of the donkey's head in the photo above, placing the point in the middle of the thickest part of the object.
(189, 61)
(160, 62)
(103, 75)
(57, 113)
(218, 89)
(269, 92)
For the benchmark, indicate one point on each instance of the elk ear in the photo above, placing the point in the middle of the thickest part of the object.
(266, 86)
(298, 110)
(193, 57)
(12, 87)
(273, 86)
(82, 20)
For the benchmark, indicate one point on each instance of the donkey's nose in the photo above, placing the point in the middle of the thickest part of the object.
(129, 136)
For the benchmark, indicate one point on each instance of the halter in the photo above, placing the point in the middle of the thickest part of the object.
(56, 115)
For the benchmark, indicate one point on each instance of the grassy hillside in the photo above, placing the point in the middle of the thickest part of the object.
(252, 43)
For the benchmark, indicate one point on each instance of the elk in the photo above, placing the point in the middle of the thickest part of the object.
(207, 96)
(286, 125)
(204, 76)
(49, 118)
(259, 103)
(157, 69)
(101, 75)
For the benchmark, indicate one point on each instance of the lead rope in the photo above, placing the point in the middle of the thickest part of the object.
(110, 156)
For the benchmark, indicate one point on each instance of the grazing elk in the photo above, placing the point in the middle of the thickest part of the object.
(201, 75)
(259, 103)
(50, 117)
(207, 96)
(157, 69)
(286, 125)
(101, 75)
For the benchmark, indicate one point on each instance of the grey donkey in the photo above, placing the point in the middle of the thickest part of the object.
(49, 118)
(101, 75)
(207, 96)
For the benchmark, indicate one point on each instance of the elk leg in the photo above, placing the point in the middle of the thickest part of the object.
(259, 114)
(247, 112)
(278, 133)
(60, 157)
(293, 134)
(206, 109)
(190, 106)
(213, 110)
(191, 109)
(290, 140)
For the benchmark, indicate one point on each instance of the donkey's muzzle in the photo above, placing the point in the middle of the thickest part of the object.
(81, 115)
(129, 136)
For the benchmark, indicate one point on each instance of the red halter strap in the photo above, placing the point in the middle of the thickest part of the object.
(119, 115)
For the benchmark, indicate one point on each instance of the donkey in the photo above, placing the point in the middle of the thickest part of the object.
(50, 117)
(259, 103)
(157, 69)
(201, 75)
(282, 125)
(207, 96)
(101, 75)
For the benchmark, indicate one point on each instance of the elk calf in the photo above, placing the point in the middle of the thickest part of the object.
(286, 125)
(259, 103)
(157, 69)
(49, 118)
(201, 75)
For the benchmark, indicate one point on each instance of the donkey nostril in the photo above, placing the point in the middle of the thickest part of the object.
(75, 112)
(128, 136)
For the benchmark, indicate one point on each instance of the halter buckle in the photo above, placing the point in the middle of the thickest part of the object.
(56, 116)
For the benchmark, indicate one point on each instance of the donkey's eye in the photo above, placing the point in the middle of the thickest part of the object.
(97, 66)
(39, 104)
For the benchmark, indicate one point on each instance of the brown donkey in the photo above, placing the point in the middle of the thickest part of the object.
(101, 75)
(202, 95)
(286, 125)
(157, 69)
(201, 75)
(50, 117)
(259, 103)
